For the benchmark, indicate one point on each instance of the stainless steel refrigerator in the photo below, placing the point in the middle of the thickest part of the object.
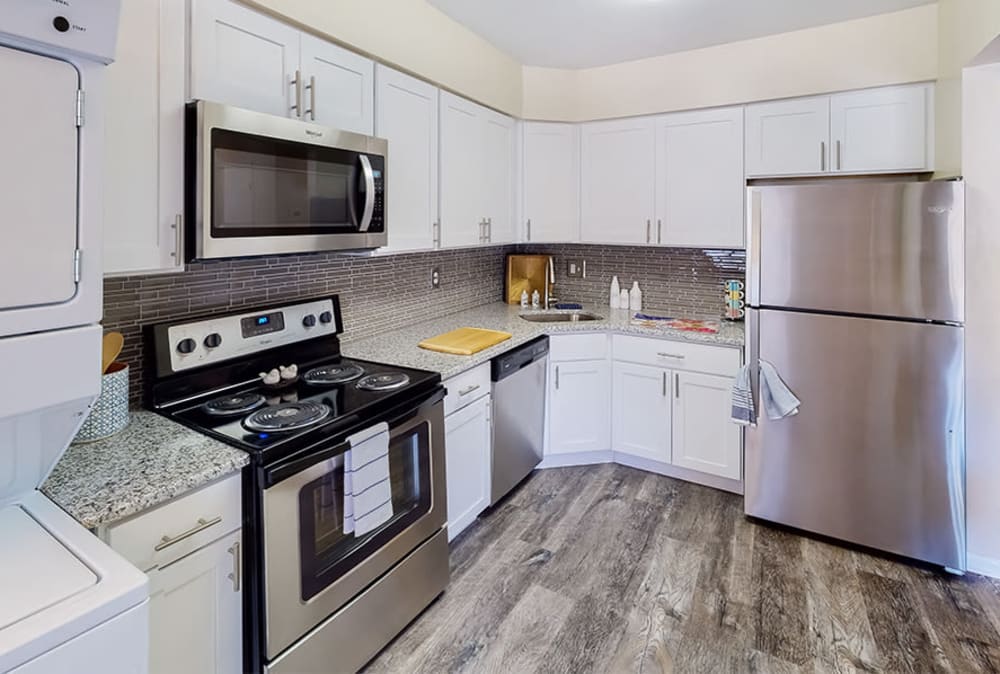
(855, 293)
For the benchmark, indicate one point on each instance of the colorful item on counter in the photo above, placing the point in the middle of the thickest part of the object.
(735, 306)
(641, 320)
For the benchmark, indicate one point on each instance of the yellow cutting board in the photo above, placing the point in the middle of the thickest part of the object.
(465, 341)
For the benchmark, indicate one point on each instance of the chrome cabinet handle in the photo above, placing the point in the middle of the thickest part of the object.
(529, 229)
(822, 155)
(649, 231)
(178, 228)
(297, 83)
(659, 230)
(366, 216)
(436, 234)
(237, 567)
(838, 155)
(557, 377)
(661, 354)
(664, 384)
(312, 98)
(202, 524)
(467, 391)
(489, 230)
(677, 385)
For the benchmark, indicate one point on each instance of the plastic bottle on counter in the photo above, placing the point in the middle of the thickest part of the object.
(536, 300)
(623, 300)
(524, 299)
(635, 297)
(616, 292)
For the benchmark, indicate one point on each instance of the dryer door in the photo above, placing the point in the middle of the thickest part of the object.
(39, 180)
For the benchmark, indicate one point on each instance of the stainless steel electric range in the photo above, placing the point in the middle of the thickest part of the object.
(344, 497)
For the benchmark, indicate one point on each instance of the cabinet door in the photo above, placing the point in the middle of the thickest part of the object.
(467, 464)
(704, 438)
(616, 181)
(406, 113)
(144, 152)
(196, 611)
(640, 420)
(579, 407)
(462, 209)
(499, 180)
(699, 179)
(788, 137)
(243, 58)
(338, 86)
(881, 129)
(551, 182)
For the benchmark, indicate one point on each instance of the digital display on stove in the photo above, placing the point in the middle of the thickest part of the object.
(255, 326)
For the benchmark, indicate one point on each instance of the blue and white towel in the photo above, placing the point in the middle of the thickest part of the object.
(367, 489)
(779, 401)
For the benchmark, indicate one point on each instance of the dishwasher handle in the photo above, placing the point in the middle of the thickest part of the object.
(514, 361)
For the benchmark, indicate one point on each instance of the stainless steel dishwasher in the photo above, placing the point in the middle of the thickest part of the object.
(519, 378)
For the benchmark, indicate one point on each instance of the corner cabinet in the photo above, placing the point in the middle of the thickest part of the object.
(144, 144)
(406, 114)
(192, 550)
(703, 438)
(248, 59)
(476, 174)
(884, 130)
(551, 182)
(641, 410)
(579, 396)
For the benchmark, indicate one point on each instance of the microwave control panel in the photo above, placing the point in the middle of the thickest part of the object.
(378, 214)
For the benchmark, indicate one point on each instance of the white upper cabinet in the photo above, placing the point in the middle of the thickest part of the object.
(462, 188)
(499, 179)
(338, 86)
(788, 137)
(551, 182)
(478, 179)
(406, 114)
(700, 178)
(243, 58)
(617, 181)
(144, 145)
(881, 129)
(704, 439)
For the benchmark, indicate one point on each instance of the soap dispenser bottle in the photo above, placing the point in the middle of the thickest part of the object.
(616, 292)
(635, 297)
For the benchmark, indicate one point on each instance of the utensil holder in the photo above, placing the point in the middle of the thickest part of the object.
(109, 413)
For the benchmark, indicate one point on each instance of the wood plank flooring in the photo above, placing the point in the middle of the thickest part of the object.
(610, 569)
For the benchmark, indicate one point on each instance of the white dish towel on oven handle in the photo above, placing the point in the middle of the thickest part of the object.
(367, 488)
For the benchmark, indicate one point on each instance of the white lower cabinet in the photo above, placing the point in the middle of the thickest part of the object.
(196, 611)
(641, 411)
(579, 407)
(703, 437)
(468, 440)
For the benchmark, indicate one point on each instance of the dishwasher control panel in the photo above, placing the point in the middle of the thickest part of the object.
(514, 360)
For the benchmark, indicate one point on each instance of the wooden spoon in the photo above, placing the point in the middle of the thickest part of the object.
(111, 347)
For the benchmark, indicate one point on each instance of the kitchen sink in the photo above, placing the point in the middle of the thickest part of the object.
(560, 317)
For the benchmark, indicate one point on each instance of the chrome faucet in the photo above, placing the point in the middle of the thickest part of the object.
(550, 281)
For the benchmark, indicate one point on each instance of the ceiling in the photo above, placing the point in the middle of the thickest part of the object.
(587, 33)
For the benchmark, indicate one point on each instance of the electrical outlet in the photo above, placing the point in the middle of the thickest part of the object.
(435, 277)
(575, 268)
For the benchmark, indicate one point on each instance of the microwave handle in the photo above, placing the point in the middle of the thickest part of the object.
(366, 216)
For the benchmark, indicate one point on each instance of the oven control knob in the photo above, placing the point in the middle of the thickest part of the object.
(60, 23)
(309, 320)
(186, 345)
(213, 340)
(326, 317)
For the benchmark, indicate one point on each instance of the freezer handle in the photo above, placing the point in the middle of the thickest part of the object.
(754, 197)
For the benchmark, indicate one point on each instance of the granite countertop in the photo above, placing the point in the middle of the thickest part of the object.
(399, 347)
(150, 462)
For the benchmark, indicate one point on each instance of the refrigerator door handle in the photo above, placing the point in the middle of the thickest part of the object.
(751, 353)
(754, 197)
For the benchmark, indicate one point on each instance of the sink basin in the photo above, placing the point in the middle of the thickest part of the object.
(560, 317)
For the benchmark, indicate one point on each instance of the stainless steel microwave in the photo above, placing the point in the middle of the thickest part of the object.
(259, 184)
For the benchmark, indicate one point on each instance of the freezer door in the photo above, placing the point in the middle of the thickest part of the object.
(879, 249)
(876, 454)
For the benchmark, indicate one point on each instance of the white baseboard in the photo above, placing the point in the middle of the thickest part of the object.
(984, 566)
(576, 459)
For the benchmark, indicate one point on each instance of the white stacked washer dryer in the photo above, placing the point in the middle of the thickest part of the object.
(68, 603)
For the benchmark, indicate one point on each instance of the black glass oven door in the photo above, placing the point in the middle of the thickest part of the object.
(265, 186)
(328, 549)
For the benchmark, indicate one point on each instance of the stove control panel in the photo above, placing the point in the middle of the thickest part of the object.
(87, 28)
(215, 340)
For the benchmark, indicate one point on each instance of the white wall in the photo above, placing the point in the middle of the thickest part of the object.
(413, 36)
(981, 167)
(885, 49)
(964, 28)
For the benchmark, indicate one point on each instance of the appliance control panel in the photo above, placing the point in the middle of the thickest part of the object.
(214, 340)
(87, 28)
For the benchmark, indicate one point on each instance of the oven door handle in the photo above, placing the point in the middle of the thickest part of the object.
(310, 456)
(366, 215)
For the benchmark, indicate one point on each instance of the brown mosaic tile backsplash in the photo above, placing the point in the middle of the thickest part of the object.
(379, 293)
